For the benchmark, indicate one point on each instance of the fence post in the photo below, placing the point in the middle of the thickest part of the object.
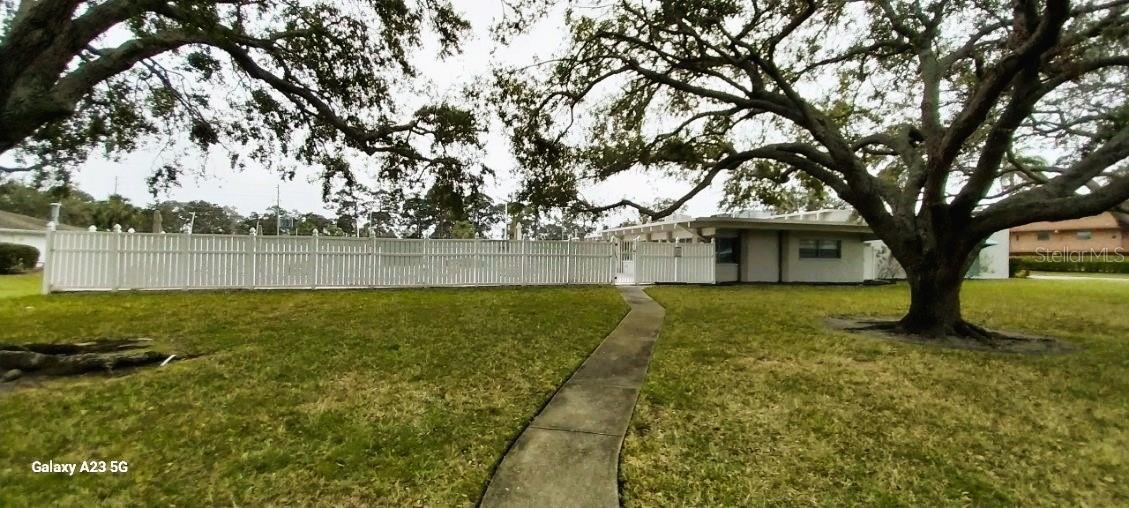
(48, 248)
(116, 251)
(184, 258)
(613, 265)
(713, 255)
(568, 262)
(250, 265)
(375, 259)
(678, 263)
(642, 276)
(380, 265)
(524, 254)
(314, 262)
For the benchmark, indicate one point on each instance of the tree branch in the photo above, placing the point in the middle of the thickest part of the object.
(22, 169)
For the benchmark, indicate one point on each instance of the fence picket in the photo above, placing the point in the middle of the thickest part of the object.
(80, 260)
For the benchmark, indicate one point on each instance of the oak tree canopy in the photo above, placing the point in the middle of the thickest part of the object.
(313, 81)
(940, 122)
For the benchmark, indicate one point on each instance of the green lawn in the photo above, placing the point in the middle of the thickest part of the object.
(1084, 275)
(393, 398)
(752, 401)
(20, 285)
(410, 397)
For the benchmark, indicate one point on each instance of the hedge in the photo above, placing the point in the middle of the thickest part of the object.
(15, 258)
(1035, 264)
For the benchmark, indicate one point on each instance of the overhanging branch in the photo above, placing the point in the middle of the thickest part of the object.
(787, 153)
(21, 169)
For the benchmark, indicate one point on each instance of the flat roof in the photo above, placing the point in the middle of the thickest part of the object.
(722, 222)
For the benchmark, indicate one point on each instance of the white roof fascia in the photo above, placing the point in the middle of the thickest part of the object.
(741, 223)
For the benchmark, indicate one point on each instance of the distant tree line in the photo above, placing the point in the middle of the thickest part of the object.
(440, 212)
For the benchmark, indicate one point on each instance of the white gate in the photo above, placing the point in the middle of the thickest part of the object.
(625, 257)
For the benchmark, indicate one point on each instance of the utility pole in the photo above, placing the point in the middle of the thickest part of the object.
(277, 210)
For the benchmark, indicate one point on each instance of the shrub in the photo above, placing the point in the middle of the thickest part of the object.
(1034, 264)
(15, 258)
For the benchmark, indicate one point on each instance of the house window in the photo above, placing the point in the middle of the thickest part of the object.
(728, 250)
(1043, 236)
(1084, 235)
(821, 249)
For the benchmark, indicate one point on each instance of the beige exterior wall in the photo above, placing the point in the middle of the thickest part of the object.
(1027, 242)
(759, 253)
(726, 272)
(848, 268)
(994, 258)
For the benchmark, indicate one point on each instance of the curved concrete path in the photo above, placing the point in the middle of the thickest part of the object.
(569, 455)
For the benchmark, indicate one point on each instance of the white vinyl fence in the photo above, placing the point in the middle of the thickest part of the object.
(99, 261)
(674, 262)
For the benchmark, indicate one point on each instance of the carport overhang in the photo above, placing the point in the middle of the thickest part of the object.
(706, 228)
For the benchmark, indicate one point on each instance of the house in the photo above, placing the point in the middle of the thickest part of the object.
(24, 230)
(823, 246)
(1095, 234)
(991, 260)
(820, 246)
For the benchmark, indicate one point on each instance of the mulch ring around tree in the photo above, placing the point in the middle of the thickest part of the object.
(102, 356)
(991, 341)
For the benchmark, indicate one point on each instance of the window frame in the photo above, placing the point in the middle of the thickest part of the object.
(1084, 234)
(823, 248)
(1042, 236)
(734, 250)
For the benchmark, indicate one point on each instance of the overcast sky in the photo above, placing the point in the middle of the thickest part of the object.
(254, 189)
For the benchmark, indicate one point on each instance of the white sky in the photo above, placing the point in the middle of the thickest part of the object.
(254, 189)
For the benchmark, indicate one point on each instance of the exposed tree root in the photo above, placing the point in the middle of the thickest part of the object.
(98, 346)
(960, 330)
(79, 358)
(963, 335)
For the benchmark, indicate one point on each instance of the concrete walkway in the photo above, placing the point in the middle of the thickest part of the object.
(569, 455)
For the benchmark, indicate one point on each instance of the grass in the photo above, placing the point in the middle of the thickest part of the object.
(1084, 275)
(26, 284)
(394, 398)
(750, 400)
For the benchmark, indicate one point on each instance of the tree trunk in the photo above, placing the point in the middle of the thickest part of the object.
(934, 308)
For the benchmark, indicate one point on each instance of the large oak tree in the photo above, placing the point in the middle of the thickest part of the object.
(287, 80)
(940, 122)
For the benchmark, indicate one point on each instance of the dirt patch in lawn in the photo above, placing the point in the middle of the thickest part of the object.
(995, 341)
(18, 362)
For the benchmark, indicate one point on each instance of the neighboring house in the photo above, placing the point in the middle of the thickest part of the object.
(1088, 234)
(822, 246)
(24, 230)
